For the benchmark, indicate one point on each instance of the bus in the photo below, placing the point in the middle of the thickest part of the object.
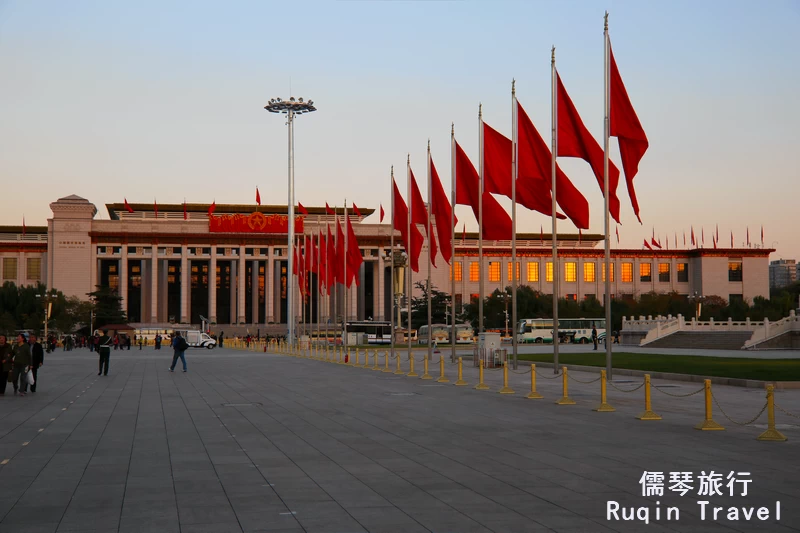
(577, 330)
(465, 334)
(440, 333)
(377, 332)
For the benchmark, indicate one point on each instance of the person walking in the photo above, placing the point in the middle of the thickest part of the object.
(179, 345)
(37, 360)
(6, 364)
(594, 336)
(22, 364)
(104, 347)
(221, 339)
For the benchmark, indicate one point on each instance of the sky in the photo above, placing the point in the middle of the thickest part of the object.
(164, 101)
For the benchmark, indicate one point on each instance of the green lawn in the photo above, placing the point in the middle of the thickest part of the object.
(729, 367)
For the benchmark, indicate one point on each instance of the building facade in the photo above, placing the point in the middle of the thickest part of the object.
(782, 273)
(177, 263)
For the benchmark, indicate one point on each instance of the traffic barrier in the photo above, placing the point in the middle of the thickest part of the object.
(411, 372)
(481, 385)
(604, 407)
(442, 377)
(460, 382)
(771, 434)
(425, 374)
(366, 359)
(375, 366)
(398, 371)
(533, 395)
(648, 413)
(708, 424)
(357, 355)
(505, 389)
(386, 368)
(565, 399)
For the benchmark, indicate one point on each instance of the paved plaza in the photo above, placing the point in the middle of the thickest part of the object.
(248, 441)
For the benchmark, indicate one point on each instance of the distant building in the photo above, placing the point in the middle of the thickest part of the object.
(176, 262)
(782, 273)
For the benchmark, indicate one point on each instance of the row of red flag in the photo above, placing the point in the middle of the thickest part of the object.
(656, 242)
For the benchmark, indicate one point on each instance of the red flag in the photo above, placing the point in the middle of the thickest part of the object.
(731, 239)
(748, 236)
(714, 240)
(128, 207)
(312, 267)
(185, 215)
(647, 245)
(442, 213)
(676, 240)
(322, 269)
(328, 210)
(655, 243)
(419, 215)
(354, 259)
(212, 208)
(258, 197)
(356, 211)
(463, 234)
(617, 229)
(574, 140)
(23, 226)
(703, 236)
(762, 234)
(155, 207)
(541, 233)
(717, 233)
(400, 223)
(535, 164)
(684, 237)
(382, 213)
(496, 222)
(339, 267)
(625, 126)
(330, 265)
(303, 211)
(693, 241)
(296, 261)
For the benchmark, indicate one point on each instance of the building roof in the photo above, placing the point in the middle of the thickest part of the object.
(115, 209)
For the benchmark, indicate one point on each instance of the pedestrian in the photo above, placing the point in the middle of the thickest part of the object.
(104, 346)
(594, 336)
(22, 364)
(37, 360)
(179, 345)
(158, 341)
(221, 339)
(128, 342)
(6, 364)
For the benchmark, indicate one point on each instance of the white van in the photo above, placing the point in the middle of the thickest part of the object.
(198, 339)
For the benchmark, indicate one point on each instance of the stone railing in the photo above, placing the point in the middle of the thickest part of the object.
(660, 326)
(770, 330)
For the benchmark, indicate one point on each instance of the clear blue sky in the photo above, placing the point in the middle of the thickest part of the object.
(140, 99)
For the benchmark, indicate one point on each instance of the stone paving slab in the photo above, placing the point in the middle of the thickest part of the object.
(251, 442)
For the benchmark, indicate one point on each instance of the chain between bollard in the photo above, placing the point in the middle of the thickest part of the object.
(679, 395)
(784, 411)
(626, 390)
(584, 382)
(523, 372)
(761, 412)
(554, 376)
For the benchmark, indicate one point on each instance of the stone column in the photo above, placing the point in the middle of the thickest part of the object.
(185, 317)
(212, 285)
(163, 288)
(143, 291)
(269, 287)
(92, 267)
(154, 284)
(254, 290)
(123, 278)
(240, 312)
(379, 303)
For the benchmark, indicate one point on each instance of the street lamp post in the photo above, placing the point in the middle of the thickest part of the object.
(291, 108)
(697, 298)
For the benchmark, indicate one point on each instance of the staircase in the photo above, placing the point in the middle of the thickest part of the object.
(703, 340)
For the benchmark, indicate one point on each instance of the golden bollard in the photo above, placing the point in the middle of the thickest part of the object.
(366, 359)
(398, 371)
(565, 399)
(339, 361)
(604, 407)
(533, 395)
(442, 377)
(350, 360)
(375, 366)
(386, 368)
(481, 385)
(648, 413)
(708, 424)
(771, 433)
(411, 372)
(505, 389)
(460, 381)
(425, 374)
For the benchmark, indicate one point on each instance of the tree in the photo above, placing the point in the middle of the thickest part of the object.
(107, 306)
(440, 302)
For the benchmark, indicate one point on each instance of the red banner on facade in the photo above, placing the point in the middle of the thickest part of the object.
(253, 223)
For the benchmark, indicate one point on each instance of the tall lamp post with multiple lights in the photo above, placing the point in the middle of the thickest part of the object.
(291, 108)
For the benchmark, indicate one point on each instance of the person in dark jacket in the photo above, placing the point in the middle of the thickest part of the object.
(37, 360)
(179, 345)
(6, 364)
(22, 364)
(104, 347)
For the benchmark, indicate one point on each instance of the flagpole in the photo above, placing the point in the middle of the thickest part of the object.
(430, 254)
(391, 272)
(606, 125)
(480, 224)
(453, 244)
(319, 277)
(554, 126)
(514, 175)
(408, 222)
(344, 255)
(335, 286)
